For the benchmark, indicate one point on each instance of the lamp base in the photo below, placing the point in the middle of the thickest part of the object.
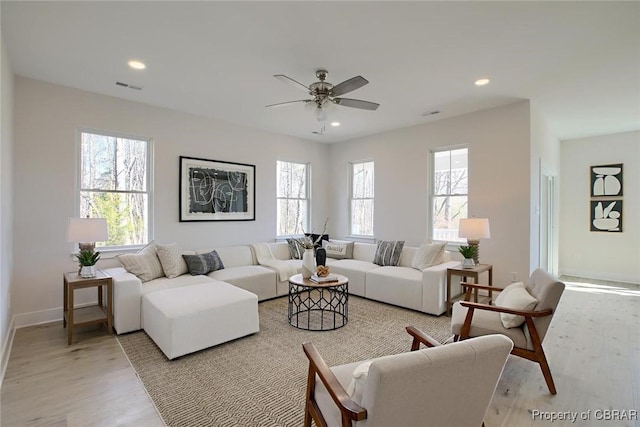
(476, 253)
(87, 246)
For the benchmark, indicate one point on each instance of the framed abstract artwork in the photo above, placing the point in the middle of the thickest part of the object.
(606, 180)
(606, 215)
(214, 190)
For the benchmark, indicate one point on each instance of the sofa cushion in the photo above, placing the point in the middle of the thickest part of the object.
(253, 278)
(162, 283)
(338, 249)
(396, 285)
(388, 252)
(355, 270)
(203, 263)
(295, 248)
(428, 255)
(170, 257)
(145, 264)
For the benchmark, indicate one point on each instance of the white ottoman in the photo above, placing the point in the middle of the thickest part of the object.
(191, 318)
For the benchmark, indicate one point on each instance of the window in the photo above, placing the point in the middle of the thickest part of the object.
(114, 184)
(449, 193)
(292, 198)
(362, 199)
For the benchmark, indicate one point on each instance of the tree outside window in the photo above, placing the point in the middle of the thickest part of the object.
(362, 197)
(292, 182)
(114, 184)
(450, 191)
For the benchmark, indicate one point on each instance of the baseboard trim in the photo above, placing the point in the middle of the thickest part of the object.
(24, 320)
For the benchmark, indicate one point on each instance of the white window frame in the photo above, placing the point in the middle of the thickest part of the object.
(432, 194)
(307, 183)
(352, 166)
(149, 178)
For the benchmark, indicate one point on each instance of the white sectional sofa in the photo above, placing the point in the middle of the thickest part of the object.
(136, 303)
(402, 285)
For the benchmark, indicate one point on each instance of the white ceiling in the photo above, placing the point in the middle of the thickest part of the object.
(578, 62)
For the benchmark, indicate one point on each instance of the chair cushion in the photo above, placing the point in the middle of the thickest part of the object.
(486, 323)
(515, 296)
(344, 374)
(171, 259)
(203, 263)
(145, 264)
(428, 255)
(388, 252)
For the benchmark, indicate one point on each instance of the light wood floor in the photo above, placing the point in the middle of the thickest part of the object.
(593, 347)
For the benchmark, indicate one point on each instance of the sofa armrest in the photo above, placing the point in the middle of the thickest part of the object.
(127, 298)
(434, 287)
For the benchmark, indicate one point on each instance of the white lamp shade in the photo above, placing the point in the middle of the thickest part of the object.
(474, 228)
(85, 230)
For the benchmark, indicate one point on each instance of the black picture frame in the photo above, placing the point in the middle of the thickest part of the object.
(606, 215)
(606, 180)
(216, 190)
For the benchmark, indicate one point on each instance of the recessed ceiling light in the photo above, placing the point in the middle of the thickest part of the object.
(482, 82)
(335, 124)
(137, 65)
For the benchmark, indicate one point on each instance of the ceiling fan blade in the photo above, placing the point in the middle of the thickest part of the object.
(356, 103)
(291, 82)
(280, 104)
(349, 85)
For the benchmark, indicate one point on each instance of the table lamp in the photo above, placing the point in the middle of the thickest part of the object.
(86, 232)
(474, 229)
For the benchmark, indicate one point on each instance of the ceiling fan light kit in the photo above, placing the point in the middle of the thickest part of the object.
(326, 95)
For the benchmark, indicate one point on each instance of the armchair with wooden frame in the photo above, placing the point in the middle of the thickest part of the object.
(419, 388)
(473, 319)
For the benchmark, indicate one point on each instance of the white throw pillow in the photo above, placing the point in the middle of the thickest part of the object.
(145, 264)
(428, 255)
(171, 259)
(338, 249)
(515, 296)
(359, 382)
(505, 292)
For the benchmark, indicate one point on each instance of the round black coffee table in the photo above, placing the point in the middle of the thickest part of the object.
(318, 306)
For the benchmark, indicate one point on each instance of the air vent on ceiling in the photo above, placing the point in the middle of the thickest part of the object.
(128, 86)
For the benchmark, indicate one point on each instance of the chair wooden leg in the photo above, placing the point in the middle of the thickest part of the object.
(544, 366)
(540, 357)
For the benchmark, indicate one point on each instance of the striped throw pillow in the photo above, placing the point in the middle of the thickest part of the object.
(388, 252)
(203, 263)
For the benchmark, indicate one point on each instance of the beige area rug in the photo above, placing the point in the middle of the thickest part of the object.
(260, 380)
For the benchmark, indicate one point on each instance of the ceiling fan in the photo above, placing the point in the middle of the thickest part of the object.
(326, 96)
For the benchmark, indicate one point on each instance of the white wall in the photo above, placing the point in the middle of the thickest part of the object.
(600, 255)
(6, 238)
(545, 158)
(499, 170)
(47, 117)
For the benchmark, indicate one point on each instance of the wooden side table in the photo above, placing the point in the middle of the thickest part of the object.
(466, 273)
(99, 313)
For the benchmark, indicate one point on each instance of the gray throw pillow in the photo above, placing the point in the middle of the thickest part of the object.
(388, 252)
(203, 263)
